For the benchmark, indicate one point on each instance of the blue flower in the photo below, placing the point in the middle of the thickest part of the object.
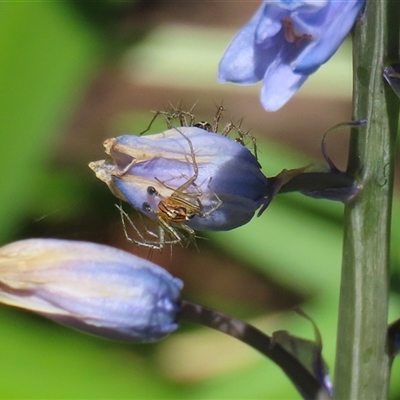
(185, 175)
(285, 42)
(94, 288)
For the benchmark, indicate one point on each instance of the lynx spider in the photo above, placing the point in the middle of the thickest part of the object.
(173, 211)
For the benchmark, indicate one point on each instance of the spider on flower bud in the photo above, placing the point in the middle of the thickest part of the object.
(186, 178)
(173, 211)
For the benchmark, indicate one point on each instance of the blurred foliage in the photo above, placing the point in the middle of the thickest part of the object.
(46, 56)
(49, 52)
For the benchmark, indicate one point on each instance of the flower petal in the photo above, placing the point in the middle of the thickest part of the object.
(279, 85)
(334, 28)
(239, 63)
(91, 287)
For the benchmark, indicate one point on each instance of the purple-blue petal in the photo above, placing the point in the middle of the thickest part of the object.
(279, 85)
(269, 25)
(239, 63)
(333, 29)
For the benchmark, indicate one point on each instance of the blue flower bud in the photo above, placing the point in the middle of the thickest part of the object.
(94, 288)
(216, 180)
(285, 42)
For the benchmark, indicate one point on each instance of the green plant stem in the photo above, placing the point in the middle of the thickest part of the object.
(362, 362)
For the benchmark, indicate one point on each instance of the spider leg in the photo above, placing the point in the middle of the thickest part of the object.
(167, 227)
(157, 113)
(125, 217)
(217, 117)
(159, 239)
(214, 208)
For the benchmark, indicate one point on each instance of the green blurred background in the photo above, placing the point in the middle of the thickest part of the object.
(73, 74)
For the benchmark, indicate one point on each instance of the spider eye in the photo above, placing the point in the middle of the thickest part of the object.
(146, 207)
(151, 191)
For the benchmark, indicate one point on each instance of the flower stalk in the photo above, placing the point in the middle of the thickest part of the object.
(332, 185)
(305, 382)
(362, 362)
